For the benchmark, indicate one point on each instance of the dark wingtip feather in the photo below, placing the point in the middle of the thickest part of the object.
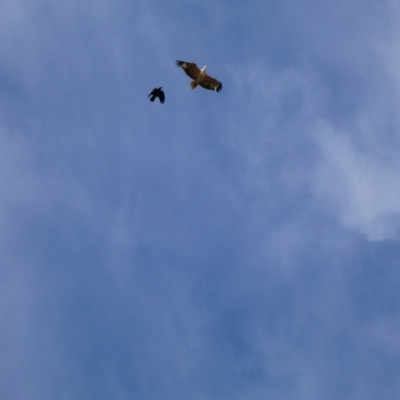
(179, 63)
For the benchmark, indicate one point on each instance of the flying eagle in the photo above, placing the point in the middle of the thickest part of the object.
(199, 76)
(157, 92)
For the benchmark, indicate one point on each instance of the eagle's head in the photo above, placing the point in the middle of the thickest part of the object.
(204, 69)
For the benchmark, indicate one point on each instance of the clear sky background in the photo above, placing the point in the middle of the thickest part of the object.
(233, 245)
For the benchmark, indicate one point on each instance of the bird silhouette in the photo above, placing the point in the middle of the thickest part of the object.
(157, 92)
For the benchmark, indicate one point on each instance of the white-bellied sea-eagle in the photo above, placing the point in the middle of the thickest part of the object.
(199, 76)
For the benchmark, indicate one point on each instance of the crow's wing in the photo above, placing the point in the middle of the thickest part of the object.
(153, 93)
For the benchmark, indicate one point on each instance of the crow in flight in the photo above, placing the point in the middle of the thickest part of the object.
(157, 92)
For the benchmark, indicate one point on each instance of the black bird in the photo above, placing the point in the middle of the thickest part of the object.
(157, 92)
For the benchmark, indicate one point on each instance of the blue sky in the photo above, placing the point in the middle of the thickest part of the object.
(232, 245)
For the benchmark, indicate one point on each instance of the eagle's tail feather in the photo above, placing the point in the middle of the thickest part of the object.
(193, 84)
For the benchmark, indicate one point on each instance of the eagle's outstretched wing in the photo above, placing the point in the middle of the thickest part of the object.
(210, 83)
(191, 69)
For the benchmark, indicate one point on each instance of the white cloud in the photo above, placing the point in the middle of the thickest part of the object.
(348, 156)
(360, 186)
(358, 173)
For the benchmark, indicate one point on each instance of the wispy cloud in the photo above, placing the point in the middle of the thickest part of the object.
(360, 185)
